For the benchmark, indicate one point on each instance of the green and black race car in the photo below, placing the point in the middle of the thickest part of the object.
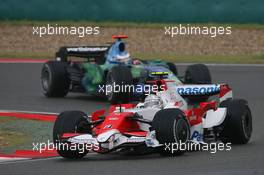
(97, 68)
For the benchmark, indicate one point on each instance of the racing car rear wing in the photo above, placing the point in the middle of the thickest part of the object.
(92, 53)
(119, 37)
(192, 90)
(89, 52)
(222, 90)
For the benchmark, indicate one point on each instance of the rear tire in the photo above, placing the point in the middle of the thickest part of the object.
(54, 79)
(172, 68)
(171, 126)
(70, 122)
(197, 74)
(120, 76)
(237, 126)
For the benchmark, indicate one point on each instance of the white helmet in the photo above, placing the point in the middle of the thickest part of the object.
(152, 101)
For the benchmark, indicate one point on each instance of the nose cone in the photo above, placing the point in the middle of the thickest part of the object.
(106, 135)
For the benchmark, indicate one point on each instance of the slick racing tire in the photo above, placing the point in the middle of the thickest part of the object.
(54, 79)
(172, 68)
(70, 122)
(237, 126)
(197, 74)
(118, 81)
(172, 129)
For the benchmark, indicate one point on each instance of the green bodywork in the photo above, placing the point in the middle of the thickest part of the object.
(95, 74)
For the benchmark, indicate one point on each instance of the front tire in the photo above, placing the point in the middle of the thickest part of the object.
(171, 127)
(54, 79)
(70, 122)
(237, 126)
(119, 76)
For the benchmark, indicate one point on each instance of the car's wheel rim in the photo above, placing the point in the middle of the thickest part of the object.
(182, 131)
(45, 78)
(82, 127)
(247, 124)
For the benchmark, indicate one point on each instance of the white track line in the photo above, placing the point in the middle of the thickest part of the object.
(7, 159)
(29, 160)
(30, 112)
(37, 159)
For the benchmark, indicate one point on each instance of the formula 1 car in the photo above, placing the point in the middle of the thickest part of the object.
(108, 65)
(161, 121)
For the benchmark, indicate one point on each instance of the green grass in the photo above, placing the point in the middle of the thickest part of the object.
(235, 59)
(23, 54)
(18, 133)
(125, 24)
(8, 136)
(4, 119)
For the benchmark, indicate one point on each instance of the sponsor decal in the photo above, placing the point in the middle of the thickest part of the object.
(136, 139)
(198, 90)
(159, 73)
(107, 126)
(115, 118)
(193, 117)
(197, 136)
(86, 49)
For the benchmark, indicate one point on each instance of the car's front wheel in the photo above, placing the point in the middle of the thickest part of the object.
(172, 129)
(70, 122)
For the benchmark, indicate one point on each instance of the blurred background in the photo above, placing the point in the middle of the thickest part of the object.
(143, 22)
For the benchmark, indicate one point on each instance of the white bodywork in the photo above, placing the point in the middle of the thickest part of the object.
(170, 99)
(214, 118)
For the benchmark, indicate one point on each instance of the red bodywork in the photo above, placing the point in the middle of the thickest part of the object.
(195, 115)
(120, 121)
(119, 36)
(123, 123)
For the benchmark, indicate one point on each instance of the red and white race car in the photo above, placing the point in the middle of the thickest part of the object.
(160, 123)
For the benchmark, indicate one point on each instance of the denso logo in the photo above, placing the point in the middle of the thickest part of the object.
(198, 89)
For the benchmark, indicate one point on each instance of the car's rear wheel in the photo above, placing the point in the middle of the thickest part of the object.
(172, 68)
(70, 122)
(237, 126)
(172, 129)
(118, 85)
(54, 79)
(197, 74)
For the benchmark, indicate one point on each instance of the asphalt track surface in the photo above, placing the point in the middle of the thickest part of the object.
(20, 90)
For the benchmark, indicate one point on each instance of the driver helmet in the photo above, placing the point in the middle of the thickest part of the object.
(152, 101)
(122, 55)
